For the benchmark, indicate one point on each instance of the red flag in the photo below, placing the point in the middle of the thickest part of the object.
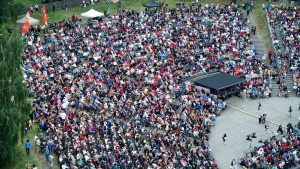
(44, 16)
(25, 27)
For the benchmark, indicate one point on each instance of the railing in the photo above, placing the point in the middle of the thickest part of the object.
(289, 61)
(271, 39)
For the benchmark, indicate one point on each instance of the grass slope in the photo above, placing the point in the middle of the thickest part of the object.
(28, 2)
(260, 19)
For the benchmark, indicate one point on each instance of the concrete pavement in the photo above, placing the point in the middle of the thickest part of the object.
(240, 120)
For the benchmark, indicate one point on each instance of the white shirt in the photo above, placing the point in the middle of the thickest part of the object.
(63, 115)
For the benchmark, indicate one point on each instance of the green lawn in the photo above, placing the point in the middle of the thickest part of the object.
(259, 17)
(22, 157)
(28, 2)
(34, 158)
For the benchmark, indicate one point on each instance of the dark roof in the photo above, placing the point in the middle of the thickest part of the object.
(152, 4)
(219, 81)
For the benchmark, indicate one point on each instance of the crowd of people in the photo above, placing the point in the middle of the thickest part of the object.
(282, 153)
(85, 3)
(288, 54)
(34, 8)
(113, 94)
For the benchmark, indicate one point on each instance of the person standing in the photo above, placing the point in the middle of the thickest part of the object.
(31, 9)
(259, 105)
(270, 53)
(290, 111)
(27, 147)
(38, 144)
(260, 118)
(252, 30)
(51, 160)
(266, 128)
(264, 118)
(233, 164)
(289, 129)
(67, 7)
(224, 138)
(280, 130)
(28, 166)
(47, 154)
(248, 9)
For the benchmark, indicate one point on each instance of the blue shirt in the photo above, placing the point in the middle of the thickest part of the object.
(27, 145)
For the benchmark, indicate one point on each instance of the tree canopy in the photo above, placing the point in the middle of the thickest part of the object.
(14, 105)
(10, 10)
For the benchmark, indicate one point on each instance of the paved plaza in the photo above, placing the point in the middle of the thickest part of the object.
(239, 120)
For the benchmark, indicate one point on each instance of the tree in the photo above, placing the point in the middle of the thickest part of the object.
(14, 105)
(10, 10)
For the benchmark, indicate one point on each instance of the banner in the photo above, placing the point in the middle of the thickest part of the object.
(44, 16)
(25, 27)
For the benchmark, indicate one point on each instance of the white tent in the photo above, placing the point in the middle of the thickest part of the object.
(32, 21)
(92, 14)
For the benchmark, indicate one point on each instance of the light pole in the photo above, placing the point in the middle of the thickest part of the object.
(119, 6)
(250, 137)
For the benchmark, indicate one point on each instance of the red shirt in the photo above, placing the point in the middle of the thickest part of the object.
(270, 52)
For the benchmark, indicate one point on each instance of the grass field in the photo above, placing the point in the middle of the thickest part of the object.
(105, 6)
(259, 17)
(35, 157)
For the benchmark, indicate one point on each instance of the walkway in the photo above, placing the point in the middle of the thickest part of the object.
(257, 40)
(39, 159)
(288, 79)
(241, 120)
(261, 49)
